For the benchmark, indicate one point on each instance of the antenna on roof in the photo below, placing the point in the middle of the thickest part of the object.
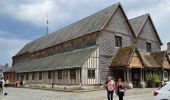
(47, 24)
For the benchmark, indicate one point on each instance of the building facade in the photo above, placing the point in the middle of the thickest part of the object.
(87, 51)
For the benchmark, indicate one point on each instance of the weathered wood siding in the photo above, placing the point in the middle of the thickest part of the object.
(92, 63)
(65, 80)
(78, 43)
(106, 41)
(9, 76)
(148, 34)
(118, 23)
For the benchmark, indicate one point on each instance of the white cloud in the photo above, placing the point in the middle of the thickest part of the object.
(61, 12)
(9, 47)
(64, 12)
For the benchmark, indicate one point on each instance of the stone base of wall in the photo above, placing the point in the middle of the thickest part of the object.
(142, 84)
(70, 88)
(129, 85)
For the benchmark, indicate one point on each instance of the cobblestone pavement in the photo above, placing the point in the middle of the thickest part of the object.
(34, 94)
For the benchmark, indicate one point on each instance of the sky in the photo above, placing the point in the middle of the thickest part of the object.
(22, 21)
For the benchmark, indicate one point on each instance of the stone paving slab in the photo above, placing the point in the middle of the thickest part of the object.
(35, 94)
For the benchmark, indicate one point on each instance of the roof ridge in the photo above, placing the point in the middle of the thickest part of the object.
(87, 25)
(147, 14)
(78, 21)
(141, 25)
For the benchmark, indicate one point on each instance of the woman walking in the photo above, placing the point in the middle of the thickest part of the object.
(120, 89)
(110, 86)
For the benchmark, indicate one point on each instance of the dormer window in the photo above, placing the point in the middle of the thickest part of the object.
(148, 47)
(118, 41)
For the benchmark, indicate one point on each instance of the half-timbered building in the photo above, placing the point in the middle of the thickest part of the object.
(77, 54)
(87, 51)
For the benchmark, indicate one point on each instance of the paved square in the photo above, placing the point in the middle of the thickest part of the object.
(34, 94)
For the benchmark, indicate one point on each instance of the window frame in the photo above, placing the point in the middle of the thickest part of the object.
(40, 76)
(91, 73)
(49, 74)
(60, 74)
(33, 75)
(27, 76)
(72, 73)
(148, 47)
(118, 41)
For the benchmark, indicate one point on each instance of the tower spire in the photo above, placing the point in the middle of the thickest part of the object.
(47, 24)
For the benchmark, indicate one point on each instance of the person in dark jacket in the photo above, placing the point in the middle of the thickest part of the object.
(120, 89)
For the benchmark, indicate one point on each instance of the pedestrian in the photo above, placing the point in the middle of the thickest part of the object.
(21, 83)
(7, 83)
(110, 86)
(16, 83)
(120, 89)
(2, 85)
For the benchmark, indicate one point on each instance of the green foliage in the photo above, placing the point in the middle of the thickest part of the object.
(155, 78)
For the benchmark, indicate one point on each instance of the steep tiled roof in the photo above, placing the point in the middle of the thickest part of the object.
(138, 23)
(90, 24)
(148, 60)
(123, 56)
(73, 59)
(160, 57)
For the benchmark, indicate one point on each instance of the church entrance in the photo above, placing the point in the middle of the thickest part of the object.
(118, 73)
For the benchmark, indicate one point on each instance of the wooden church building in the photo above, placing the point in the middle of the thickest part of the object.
(87, 51)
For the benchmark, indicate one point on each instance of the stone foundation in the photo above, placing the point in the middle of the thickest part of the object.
(129, 85)
(70, 88)
(142, 84)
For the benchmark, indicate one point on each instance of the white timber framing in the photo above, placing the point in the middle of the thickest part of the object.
(92, 63)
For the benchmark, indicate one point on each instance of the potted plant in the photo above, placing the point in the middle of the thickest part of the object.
(152, 79)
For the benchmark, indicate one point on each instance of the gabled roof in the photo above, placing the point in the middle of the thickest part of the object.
(138, 23)
(148, 60)
(90, 24)
(123, 56)
(73, 59)
(159, 57)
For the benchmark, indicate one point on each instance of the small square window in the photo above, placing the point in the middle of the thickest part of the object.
(91, 74)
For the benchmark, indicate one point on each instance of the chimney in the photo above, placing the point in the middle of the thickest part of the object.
(168, 48)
